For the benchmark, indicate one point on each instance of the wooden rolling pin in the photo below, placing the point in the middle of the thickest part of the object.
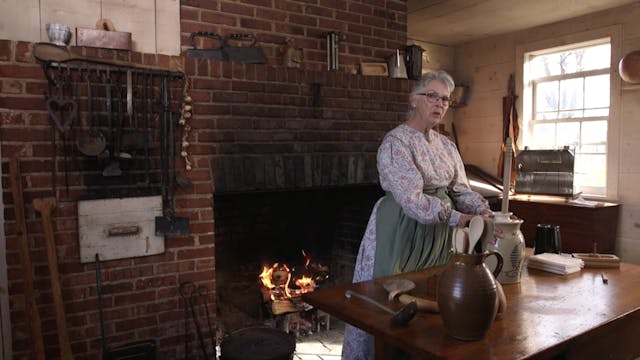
(45, 207)
(31, 308)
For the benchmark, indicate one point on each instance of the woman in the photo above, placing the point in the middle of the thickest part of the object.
(427, 193)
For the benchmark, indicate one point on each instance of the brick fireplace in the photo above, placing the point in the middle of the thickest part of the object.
(298, 174)
(287, 139)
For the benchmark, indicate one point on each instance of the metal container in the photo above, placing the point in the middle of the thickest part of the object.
(548, 172)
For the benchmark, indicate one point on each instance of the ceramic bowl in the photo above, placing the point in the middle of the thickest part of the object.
(59, 34)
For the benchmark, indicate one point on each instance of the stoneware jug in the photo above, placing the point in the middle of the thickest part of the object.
(467, 295)
(511, 247)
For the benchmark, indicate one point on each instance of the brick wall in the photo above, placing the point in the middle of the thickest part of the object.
(295, 127)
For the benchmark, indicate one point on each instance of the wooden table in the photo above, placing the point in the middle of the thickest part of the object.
(576, 316)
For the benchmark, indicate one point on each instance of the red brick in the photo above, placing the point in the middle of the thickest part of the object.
(23, 52)
(218, 18)
(272, 15)
(202, 4)
(303, 20)
(5, 50)
(238, 9)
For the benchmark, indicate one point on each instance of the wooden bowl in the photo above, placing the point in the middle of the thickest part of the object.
(629, 67)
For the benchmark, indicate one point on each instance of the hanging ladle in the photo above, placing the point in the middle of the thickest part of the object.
(91, 142)
(400, 317)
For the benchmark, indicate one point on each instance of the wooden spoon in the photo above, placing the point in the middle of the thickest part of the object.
(476, 226)
(460, 241)
(398, 286)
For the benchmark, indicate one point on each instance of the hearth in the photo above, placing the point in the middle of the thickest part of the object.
(313, 232)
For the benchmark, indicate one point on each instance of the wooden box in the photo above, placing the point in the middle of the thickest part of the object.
(103, 39)
(119, 228)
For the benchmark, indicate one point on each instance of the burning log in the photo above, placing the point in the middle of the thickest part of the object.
(283, 286)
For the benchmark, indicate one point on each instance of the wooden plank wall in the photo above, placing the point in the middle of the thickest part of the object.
(154, 24)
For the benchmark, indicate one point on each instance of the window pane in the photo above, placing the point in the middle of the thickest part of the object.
(568, 134)
(546, 116)
(593, 149)
(547, 96)
(594, 132)
(570, 114)
(545, 65)
(544, 135)
(596, 57)
(591, 170)
(596, 91)
(571, 61)
(571, 94)
(596, 112)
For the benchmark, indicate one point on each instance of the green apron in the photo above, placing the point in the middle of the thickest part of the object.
(404, 244)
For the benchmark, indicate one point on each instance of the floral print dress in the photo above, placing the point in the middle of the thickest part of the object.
(410, 162)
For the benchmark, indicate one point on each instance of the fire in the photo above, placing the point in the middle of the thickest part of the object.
(306, 284)
(277, 279)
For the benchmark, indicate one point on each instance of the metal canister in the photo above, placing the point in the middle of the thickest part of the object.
(333, 41)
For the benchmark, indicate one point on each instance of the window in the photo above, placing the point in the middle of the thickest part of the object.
(569, 104)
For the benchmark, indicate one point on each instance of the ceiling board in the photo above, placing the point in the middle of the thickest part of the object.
(451, 22)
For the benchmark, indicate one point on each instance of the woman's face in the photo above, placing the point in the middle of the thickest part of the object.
(432, 104)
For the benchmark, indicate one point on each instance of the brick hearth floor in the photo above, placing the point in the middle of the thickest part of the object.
(323, 345)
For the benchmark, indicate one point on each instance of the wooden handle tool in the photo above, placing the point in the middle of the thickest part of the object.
(31, 308)
(45, 207)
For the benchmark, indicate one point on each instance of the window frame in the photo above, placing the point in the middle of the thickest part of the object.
(524, 86)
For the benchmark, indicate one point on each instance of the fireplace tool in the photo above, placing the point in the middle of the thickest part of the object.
(138, 350)
(189, 293)
(400, 317)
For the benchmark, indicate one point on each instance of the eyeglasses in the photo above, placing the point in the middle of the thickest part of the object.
(433, 98)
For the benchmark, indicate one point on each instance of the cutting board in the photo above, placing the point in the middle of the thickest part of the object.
(119, 228)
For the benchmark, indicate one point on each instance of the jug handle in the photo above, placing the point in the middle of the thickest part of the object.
(498, 268)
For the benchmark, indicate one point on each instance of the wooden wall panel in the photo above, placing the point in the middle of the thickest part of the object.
(68, 12)
(167, 26)
(26, 20)
(136, 17)
(19, 20)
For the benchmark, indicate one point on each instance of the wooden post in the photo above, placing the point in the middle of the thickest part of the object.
(45, 207)
(31, 308)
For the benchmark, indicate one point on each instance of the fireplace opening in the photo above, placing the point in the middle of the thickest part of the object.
(255, 230)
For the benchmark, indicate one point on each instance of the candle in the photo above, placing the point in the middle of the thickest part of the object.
(506, 176)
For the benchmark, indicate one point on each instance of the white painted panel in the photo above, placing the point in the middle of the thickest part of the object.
(136, 17)
(168, 27)
(20, 20)
(97, 218)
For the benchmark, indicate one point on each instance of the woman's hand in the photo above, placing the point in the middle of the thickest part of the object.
(487, 214)
(464, 220)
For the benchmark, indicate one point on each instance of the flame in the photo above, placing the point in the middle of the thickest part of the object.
(273, 278)
(306, 284)
(277, 279)
(307, 259)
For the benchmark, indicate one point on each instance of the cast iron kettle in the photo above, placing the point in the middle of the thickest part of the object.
(467, 295)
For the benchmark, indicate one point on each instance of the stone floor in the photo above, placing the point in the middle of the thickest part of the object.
(322, 345)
